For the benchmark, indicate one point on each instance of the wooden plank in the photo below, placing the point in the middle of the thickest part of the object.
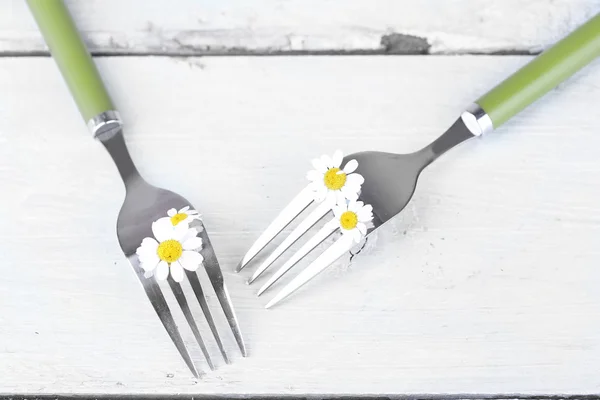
(235, 26)
(487, 283)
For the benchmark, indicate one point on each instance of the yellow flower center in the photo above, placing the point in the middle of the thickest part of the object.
(169, 250)
(334, 180)
(177, 218)
(349, 220)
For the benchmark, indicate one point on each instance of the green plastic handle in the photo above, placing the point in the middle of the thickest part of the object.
(543, 73)
(72, 57)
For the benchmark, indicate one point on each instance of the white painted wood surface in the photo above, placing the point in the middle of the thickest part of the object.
(486, 284)
(238, 26)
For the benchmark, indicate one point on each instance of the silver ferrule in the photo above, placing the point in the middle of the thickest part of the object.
(477, 120)
(105, 124)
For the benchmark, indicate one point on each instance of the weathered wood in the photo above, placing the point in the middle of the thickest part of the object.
(236, 26)
(486, 284)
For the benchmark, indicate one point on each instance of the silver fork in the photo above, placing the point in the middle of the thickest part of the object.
(390, 179)
(143, 203)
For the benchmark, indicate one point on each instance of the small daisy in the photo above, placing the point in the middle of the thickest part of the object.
(332, 183)
(352, 218)
(184, 215)
(175, 248)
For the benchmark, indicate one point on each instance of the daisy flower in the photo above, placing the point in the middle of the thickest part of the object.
(173, 249)
(184, 215)
(352, 218)
(332, 183)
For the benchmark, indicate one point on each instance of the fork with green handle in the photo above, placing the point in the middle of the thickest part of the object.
(390, 179)
(144, 204)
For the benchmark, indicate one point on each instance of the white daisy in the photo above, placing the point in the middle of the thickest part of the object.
(184, 215)
(332, 183)
(175, 248)
(352, 218)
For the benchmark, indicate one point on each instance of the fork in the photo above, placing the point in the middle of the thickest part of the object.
(390, 179)
(143, 203)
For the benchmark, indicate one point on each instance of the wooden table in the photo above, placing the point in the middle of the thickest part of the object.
(486, 284)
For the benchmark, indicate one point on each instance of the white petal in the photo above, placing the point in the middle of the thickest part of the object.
(365, 214)
(166, 221)
(342, 208)
(338, 211)
(171, 212)
(148, 255)
(349, 193)
(191, 212)
(355, 206)
(148, 264)
(162, 271)
(191, 260)
(340, 198)
(331, 198)
(318, 186)
(184, 209)
(148, 244)
(352, 188)
(144, 252)
(192, 244)
(319, 166)
(337, 158)
(163, 229)
(314, 175)
(190, 233)
(176, 271)
(355, 179)
(350, 166)
(362, 228)
(334, 223)
(180, 230)
(326, 160)
(356, 235)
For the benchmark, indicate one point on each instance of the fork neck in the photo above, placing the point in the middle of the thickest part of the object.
(116, 147)
(107, 127)
(455, 135)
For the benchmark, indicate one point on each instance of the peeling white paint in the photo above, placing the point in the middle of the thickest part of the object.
(460, 26)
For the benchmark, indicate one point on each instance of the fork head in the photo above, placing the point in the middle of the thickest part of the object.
(143, 205)
(389, 182)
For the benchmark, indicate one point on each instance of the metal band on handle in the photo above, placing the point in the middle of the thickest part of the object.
(477, 120)
(105, 123)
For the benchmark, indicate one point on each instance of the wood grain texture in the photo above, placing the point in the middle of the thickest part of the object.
(236, 26)
(487, 283)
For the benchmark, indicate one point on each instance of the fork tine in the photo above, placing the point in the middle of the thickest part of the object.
(195, 283)
(164, 314)
(287, 215)
(313, 242)
(341, 246)
(304, 226)
(211, 265)
(180, 296)
(225, 300)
